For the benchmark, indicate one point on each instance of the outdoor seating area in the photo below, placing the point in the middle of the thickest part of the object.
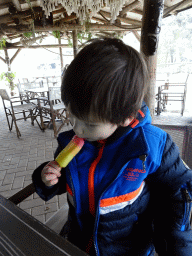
(38, 82)
(42, 105)
(175, 92)
(53, 111)
(18, 110)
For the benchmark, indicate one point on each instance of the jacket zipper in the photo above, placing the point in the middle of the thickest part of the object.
(187, 211)
(91, 192)
(143, 159)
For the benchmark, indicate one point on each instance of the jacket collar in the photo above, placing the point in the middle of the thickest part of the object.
(142, 117)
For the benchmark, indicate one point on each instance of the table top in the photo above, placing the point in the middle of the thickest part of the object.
(21, 234)
(43, 89)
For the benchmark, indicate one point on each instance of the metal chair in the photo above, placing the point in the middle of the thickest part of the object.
(53, 110)
(21, 111)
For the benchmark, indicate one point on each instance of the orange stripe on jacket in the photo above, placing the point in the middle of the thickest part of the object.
(69, 190)
(141, 113)
(120, 199)
(91, 180)
(134, 123)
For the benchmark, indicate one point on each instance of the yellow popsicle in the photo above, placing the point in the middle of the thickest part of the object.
(67, 154)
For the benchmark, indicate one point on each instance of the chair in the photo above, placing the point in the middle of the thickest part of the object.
(53, 110)
(23, 110)
(165, 94)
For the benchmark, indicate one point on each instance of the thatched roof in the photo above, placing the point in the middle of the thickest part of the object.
(21, 16)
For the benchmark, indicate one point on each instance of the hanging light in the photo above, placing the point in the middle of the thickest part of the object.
(84, 8)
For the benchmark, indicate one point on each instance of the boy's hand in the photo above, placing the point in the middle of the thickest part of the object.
(50, 173)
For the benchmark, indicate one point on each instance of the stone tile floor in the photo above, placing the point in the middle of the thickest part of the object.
(19, 158)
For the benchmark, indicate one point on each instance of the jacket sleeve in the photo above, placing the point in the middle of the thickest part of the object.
(45, 192)
(171, 189)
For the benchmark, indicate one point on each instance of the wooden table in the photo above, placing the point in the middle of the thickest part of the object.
(21, 234)
(37, 92)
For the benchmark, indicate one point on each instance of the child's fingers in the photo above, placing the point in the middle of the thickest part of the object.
(49, 176)
(49, 168)
(50, 173)
(51, 183)
(55, 165)
(47, 171)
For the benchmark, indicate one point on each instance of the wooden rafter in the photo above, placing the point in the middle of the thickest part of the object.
(130, 7)
(136, 34)
(175, 7)
(67, 27)
(67, 19)
(17, 5)
(2, 59)
(9, 17)
(100, 20)
(124, 20)
(29, 40)
(37, 46)
(15, 55)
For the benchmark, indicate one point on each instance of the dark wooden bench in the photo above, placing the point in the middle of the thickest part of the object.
(56, 221)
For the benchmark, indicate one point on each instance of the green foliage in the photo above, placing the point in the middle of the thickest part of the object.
(70, 42)
(117, 35)
(28, 34)
(84, 36)
(8, 77)
(2, 43)
(56, 34)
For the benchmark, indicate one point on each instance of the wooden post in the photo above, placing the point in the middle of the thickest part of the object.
(61, 55)
(151, 23)
(75, 43)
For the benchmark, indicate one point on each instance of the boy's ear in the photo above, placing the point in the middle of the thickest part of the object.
(127, 122)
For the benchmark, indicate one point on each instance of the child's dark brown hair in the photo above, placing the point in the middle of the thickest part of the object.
(108, 79)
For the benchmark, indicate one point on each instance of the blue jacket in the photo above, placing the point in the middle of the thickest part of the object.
(128, 194)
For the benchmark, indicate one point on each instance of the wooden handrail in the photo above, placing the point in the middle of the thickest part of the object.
(23, 194)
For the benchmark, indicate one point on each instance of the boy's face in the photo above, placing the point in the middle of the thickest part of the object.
(92, 130)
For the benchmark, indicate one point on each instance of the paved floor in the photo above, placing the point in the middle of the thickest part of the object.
(19, 158)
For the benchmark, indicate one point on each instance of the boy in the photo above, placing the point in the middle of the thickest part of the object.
(129, 192)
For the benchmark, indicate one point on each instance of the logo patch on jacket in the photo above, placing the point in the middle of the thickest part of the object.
(132, 174)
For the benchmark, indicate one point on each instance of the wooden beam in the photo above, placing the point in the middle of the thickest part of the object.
(29, 40)
(2, 59)
(124, 20)
(100, 20)
(69, 18)
(151, 24)
(14, 56)
(61, 54)
(68, 27)
(137, 11)
(7, 60)
(9, 17)
(130, 7)
(136, 34)
(39, 46)
(174, 8)
(17, 5)
(75, 43)
(58, 11)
